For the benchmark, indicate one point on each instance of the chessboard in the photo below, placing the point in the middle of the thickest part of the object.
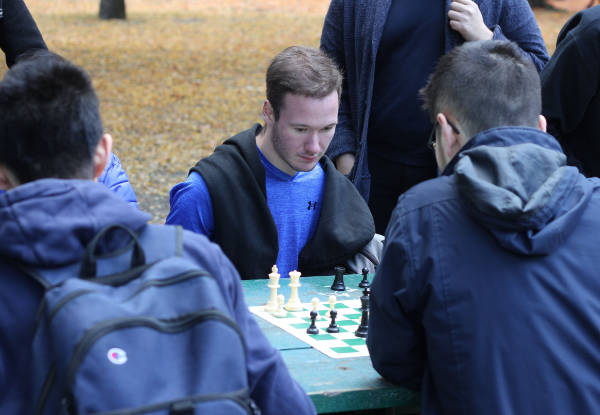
(335, 345)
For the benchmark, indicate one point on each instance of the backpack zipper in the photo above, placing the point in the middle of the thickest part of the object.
(166, 326)
(239, 397)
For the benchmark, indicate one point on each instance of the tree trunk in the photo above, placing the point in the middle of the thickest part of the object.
(112, 9)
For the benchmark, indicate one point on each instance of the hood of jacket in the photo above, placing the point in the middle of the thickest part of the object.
(49, 222)
(515, 183)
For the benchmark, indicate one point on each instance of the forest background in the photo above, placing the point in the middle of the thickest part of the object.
(178, 77)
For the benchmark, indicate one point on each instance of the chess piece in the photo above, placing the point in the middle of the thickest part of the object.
(294, 303)
(365, 282)
(338, 282)
(363, 328)
(271, 305)
(280, 311)
(333, 327)
(312, 329)
(331, 305)
(315, 306)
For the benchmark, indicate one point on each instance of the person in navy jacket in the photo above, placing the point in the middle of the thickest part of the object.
(487, 298)
(387, 49)
(52, 208)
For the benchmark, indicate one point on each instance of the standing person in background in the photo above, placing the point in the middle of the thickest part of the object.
(571, 91)
(387, 49)
(19, 35)
(18, 31)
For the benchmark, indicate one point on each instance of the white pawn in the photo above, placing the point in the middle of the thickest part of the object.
(280, 312)
(294, 303)
(315, 306)
(331, 305)
(271, 305)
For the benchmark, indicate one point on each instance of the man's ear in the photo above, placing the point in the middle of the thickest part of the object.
(267, 113)
(450, 140)
(542, 123)
(4, 183)
(7, 179)
(102, 154)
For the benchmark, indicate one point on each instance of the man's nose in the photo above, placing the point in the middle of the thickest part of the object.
(312, 143)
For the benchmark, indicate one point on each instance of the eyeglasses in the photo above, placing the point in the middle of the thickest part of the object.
(431, 143)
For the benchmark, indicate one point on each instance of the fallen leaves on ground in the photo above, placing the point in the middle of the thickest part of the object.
(180, 76)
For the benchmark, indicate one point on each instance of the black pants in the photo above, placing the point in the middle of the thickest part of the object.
(389, 180)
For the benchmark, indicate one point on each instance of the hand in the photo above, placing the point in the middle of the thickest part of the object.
(344, 163)
(465, 17)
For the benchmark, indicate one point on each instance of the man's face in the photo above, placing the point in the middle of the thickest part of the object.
(303, 132)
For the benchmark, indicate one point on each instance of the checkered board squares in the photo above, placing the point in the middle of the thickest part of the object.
(336, 345)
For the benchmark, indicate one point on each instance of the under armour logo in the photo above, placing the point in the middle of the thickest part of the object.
(312, 205)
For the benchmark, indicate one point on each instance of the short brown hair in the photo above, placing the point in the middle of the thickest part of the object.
(301, 70)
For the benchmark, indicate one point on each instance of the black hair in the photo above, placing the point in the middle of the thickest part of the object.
(50, 120)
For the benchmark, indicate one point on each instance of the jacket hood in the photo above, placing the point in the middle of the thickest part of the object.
(49, 222)
(514, 182)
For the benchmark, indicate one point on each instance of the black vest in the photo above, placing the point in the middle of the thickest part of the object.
(244, 227)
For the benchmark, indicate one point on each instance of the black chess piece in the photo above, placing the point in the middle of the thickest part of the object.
(365, 282)
(363, 328)
(312, 329)
(333, 327)
(338, 282)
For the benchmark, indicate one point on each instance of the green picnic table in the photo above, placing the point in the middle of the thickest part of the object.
(334, 385)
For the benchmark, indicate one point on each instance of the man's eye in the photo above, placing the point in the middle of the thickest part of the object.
(300, 129)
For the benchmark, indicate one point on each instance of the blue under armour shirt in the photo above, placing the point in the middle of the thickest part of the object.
(294, 202)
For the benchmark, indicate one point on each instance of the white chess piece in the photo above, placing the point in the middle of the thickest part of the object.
(294, 303)
(271, 305)
(280, 312)
(315, 306)
(331, 305)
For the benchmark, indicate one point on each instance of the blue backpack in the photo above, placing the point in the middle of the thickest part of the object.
(140, 331)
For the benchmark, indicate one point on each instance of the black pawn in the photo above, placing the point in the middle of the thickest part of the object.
(365, 282)
(364, 320)
(333, 327)
(312, 329)
(338, 282)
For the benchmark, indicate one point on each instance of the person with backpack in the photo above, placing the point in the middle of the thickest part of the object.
(60, 230)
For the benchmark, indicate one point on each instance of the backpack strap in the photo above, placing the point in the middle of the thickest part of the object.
(88, 264)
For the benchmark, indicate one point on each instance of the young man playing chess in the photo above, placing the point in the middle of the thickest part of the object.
(487, 298)
(269, 195)
(51, 147)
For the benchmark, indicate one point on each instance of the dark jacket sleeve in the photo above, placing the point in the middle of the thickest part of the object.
(332, 43)
(271, 386)
(396, 338)
(115, 178)
(18, 31)
(518, 24)
(570, 81)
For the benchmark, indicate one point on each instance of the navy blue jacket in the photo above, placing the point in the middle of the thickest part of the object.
(351, 35)
(487, 298)
(48, 223)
